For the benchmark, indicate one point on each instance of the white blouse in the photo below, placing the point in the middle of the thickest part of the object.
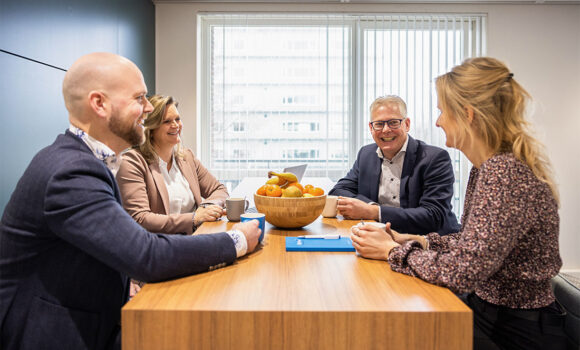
(180, 195)
(181, 201)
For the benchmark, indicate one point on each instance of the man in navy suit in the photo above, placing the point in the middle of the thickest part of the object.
(398, 179)
(67, 246)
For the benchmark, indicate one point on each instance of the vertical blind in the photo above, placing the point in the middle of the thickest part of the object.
(280, 90)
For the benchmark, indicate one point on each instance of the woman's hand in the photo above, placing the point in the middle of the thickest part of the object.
(397, 237)
(405, 237)
(135, 287)
(373, 242)
(208, 213)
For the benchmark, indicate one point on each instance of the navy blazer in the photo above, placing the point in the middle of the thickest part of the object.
(426, 188)
(68, 248)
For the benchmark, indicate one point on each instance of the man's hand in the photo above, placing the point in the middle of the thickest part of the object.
(352, 208)
(209, 213)
(252, 232)
(372, 242)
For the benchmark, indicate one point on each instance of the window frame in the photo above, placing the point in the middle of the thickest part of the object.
(357, 111)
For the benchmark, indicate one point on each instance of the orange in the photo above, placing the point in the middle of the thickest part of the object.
(316, 191)
(273, 191)
(262, 190)
(296, 184)
(307, 188)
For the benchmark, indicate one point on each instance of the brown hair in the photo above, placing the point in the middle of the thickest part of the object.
(498, 103)
(154, 119)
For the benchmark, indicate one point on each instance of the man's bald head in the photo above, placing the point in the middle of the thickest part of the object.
(105, 95)
(99, 71)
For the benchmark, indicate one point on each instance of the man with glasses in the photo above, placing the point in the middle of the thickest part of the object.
(398, 179)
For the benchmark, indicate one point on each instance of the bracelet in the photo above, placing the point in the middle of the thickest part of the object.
(195, 224)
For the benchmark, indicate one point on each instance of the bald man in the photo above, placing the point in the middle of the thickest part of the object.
(67, 246)
(398, 179)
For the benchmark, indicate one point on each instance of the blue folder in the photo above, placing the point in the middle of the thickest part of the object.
(295, 244)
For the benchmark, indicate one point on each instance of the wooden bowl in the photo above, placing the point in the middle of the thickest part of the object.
(290, 212)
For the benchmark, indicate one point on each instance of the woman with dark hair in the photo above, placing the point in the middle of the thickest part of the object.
(506, 251)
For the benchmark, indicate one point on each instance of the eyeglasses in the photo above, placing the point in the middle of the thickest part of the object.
(392, 123)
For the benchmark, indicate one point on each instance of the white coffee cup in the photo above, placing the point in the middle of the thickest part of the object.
(330, 207)
(236, 207)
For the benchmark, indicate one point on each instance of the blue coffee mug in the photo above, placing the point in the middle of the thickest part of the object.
(256, 216)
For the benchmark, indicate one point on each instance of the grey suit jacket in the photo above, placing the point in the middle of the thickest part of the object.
(68, 248)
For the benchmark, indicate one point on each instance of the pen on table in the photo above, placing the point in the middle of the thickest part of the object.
(320, 237)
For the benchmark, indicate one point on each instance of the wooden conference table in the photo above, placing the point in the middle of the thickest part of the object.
(273, 299)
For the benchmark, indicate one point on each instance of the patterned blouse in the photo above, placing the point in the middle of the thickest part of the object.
(507, 248)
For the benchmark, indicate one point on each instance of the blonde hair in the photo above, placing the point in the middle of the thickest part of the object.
(389, 99)
(498, 103)
(154, 120)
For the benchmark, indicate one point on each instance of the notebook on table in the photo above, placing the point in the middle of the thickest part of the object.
(296, 244)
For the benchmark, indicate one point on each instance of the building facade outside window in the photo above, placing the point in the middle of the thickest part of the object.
(280, 90)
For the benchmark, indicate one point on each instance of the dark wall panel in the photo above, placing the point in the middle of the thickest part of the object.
(57, 32)
(136, 36)
(35, 115)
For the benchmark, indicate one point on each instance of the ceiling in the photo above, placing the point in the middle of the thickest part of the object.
(382, 1)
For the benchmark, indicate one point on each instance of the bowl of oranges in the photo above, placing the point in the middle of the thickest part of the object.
(287, 203)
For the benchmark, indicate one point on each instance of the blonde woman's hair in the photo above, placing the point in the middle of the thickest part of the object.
(386, 100)
(498, 101)
(154, 120)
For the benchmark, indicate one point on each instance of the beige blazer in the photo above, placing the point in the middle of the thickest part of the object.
(145, 196)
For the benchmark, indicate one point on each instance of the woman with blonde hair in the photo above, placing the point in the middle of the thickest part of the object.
(506, 251)
(164, 187)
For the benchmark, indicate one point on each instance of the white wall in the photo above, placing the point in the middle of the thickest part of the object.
(540, 43)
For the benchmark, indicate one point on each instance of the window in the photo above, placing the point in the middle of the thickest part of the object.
(301, 154)
(296, 88)
(239, 126)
